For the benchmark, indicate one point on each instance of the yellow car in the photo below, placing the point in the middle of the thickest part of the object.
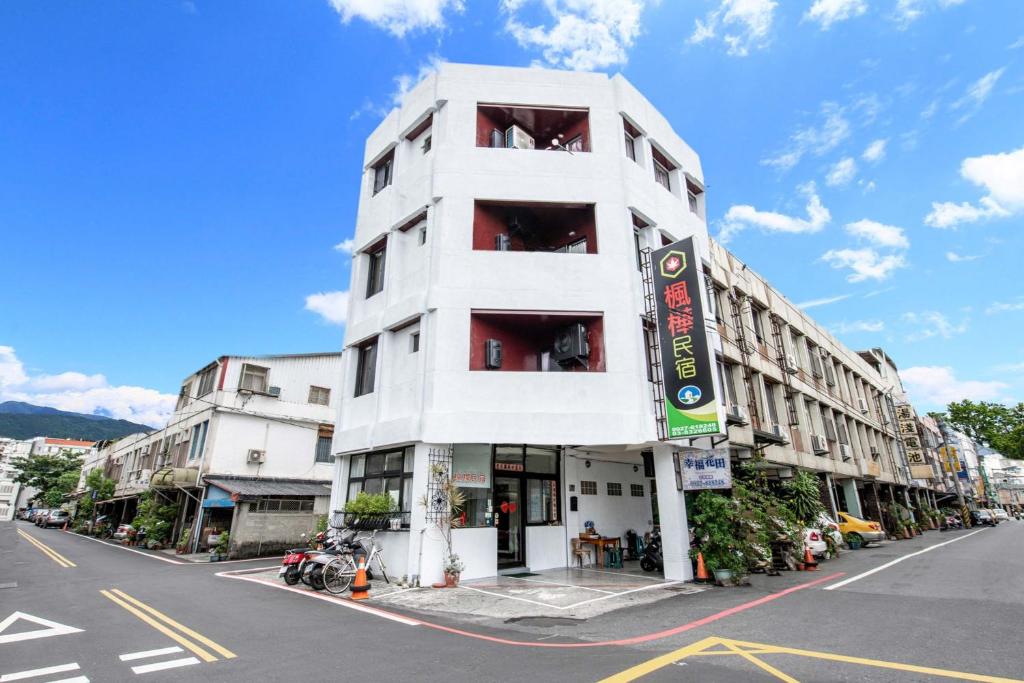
(869, 532)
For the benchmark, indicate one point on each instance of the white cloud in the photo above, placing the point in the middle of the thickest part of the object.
(744, 25)
(864, 264)
(933, 385)
(742, 216)
(1002, 175)
(81, 393)
(879, 234)
(582, 35)
(814, 303)
(331, 306)
(841, 173)
(954, 257)
(976, 94)
(398, 17)
(931, 109)
(817, 140)
(909, 11)
(346, 246)
(932, 324)
(875, 151)
(1000, 307)
(857, 326)
(828, 12)
(1017, 44)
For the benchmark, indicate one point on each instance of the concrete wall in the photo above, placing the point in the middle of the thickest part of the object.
(256, 534)
(612, 515)
(546, 547)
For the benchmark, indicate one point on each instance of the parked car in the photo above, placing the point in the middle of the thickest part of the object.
(55, 518)
(39, 515)
(814, 541)
(26, 513)
(829, 526)
(868, 531)
(979, 517)
(1001, 515)
(122, 532)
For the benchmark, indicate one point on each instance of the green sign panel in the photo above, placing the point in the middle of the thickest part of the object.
(691, 408)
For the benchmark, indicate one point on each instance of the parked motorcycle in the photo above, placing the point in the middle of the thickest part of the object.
(651, 560)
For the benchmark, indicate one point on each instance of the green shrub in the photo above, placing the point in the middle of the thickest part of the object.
(371, 504)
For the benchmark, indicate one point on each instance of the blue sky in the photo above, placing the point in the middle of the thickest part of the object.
(174, 176)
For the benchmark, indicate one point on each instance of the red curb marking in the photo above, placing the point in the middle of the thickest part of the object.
(657, 635)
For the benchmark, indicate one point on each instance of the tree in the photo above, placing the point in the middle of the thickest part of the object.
(103, 488)
(58, 473)
(993, 424)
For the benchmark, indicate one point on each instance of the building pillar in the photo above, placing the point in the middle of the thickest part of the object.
(853, 505)
(675, 533)
(825, 494)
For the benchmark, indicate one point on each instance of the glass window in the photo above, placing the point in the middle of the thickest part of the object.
(319, 395)
(541, 501)
(356, 466)
(374, 464)
(588, 488)
(389, 472)
(636, 490)
(366, 368)
(508, 458)
(414, 342)
(661, 176)
(254, 378)
(393, 462)
(382, 172)
(630, 146)
(476, 509)
(323, 449)
(410, 458)
(206, 378)
(375, 271)
(614, 488)
(541, 460)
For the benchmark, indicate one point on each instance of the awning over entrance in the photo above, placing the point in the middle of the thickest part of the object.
(173, 477)
(250, 489)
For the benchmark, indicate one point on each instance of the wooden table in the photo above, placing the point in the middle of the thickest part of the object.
(599, 543)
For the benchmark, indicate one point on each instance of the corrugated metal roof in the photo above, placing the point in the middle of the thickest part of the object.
(254, 488)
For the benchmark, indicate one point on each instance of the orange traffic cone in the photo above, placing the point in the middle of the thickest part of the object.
(810, 564)
(702, 572)
(361, 587)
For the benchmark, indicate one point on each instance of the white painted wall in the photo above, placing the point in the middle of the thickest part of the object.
(546, 547)
(612, 515)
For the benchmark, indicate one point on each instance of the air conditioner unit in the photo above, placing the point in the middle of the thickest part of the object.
(492, 354)
(570, 343)
(517, 138)
(874, 452)
(862, 404)
(777, 431)
(274, 392)
(844, 451)
(791, 366)
(145, 475)
(818, 444)
(256, 457)
(738, 413)
(497, 139)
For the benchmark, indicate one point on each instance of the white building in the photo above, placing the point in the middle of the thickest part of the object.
(509, 205)
(247, 450)
(14, 496)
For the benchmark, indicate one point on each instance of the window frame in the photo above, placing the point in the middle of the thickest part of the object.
(246, 367)
(207, 380)
(366, 384)
(383, 172)
(586, 490)
(662, 175)
(376, 268)
(324, 391)
(414, 342)
(403, 472)
(616, 491)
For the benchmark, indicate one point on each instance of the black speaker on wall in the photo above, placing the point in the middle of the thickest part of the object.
(492, 354)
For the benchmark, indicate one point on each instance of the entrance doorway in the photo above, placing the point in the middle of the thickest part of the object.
(508, 511)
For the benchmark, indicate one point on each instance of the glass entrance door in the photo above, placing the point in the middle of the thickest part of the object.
(508, 510)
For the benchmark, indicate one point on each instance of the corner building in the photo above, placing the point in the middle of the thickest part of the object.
(496, 316)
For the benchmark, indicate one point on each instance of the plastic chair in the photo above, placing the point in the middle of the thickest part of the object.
(613, 557)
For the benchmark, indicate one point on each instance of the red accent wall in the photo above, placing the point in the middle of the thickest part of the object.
(484, 125)
(223, 372)
(524, 336)
(490, 220)
(581, 127)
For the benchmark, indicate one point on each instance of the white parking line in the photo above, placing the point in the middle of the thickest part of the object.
(76, 679)
(858, 577)
(161, 666)
(131, 550)
(32, 673)
(132, 656)
(615, 595)
(555, 583)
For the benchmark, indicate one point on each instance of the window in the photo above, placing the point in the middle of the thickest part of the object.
(756, 317)
(588, 488)
(693, 193)
(614, 488)
(661, 176)
(577, 247)
(184, 395)
(389, 471)
(632, 139)
(541, 501)
(375, 272)
(325, 435)
(319, 395)
(650, 334)
(281, 504)
(721, 383)
(414, 342)
(206, 378)
(730, 383)
(575, 144)
(769, 399)
(630, 147)
(382, 172)
(636, 490)
(426, 144)
(639, 249)
(423, 236)
(198, 440)
(366, 368)
(254, 379)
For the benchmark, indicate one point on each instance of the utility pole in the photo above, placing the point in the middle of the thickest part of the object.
(956, 476)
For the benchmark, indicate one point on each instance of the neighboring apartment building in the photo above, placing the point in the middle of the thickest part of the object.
(496, 318)
(247, 450)
(803, 399)
(14, 496)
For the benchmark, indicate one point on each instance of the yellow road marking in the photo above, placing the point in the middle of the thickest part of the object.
(203, 654)
(747, 650)
(47, 550)
(222, 651)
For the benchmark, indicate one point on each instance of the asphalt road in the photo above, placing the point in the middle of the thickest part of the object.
(117, 615)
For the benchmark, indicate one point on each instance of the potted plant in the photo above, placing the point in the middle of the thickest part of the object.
(182, 545)
(717, 525)
(453, 570)
(221, 549)
(854, 541)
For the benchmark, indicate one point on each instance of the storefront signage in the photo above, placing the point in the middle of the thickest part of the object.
(471, 467)
(686, 357)
(508, 466)
(916, 459)
(705, 469)
(921, 471)
(950, 458)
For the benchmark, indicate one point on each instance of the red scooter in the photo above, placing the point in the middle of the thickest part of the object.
(296, 560)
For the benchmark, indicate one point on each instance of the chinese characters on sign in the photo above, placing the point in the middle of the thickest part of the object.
(686, 360)
(705, 469)
(907, 420)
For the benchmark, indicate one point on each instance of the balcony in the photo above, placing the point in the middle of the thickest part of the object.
(534, 226)
(521, 341)
(535, 128)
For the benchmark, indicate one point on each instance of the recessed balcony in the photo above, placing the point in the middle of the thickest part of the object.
(534, 226)
(532, 128)
(528, 341)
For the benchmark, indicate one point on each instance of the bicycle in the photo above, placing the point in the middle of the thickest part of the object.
(340, 572)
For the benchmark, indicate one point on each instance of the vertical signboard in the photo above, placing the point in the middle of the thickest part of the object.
(686, 357)
(906, 419)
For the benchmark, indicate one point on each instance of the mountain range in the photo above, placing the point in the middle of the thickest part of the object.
(19, 420)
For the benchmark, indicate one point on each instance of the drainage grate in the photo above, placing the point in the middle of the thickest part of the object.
(521, 575)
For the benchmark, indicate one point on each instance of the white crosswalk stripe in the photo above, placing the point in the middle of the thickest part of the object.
(131, 656)
(45, 671)
(160, 666)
